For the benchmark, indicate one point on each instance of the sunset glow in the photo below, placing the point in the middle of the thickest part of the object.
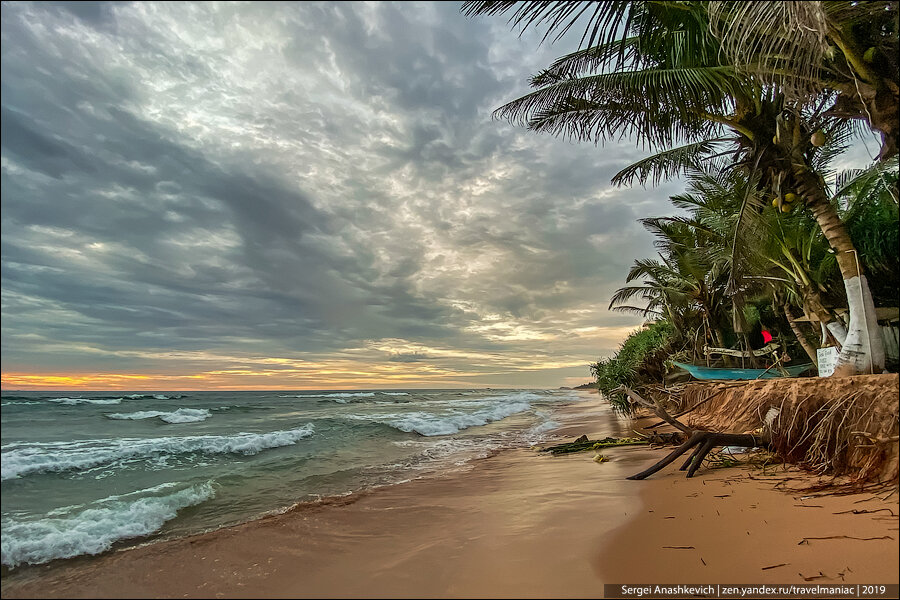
(295, 209)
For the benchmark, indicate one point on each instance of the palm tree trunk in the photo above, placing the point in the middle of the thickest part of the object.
(862, 350)
(804, 342)
(813, 302)
(828, 338)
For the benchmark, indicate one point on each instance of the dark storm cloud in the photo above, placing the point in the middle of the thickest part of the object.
(96, 14)
(292, 180)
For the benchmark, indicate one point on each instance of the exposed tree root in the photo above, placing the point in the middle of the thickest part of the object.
(703, 442)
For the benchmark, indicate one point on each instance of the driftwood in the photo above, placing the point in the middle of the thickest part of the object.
(658, 408)
(701, 441)
(697, 405)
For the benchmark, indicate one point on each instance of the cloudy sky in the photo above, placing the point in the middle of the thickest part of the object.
(300, 195)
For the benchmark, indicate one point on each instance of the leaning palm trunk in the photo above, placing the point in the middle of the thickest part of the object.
(862, 350)
(804, 343)
(812, 302)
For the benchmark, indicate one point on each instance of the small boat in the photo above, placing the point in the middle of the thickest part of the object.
(727, 373)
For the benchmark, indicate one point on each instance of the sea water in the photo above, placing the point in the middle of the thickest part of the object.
(85, 472)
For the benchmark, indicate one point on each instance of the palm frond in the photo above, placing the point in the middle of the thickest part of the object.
(657, 106)
(746, 229)
(606, 23)
(624, 294)
(667, 164)
(637, 310)
(762, 36)
(588, 60)
(861, 182)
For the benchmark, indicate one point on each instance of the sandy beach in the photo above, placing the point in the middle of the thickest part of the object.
(517, 524)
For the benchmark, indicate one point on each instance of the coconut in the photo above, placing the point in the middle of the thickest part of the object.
(818, 139)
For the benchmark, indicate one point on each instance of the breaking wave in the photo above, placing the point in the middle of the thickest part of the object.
(182, 415)
(95, 527)
(335, 395)
(76, 401)
(26, 458)
(430, 424)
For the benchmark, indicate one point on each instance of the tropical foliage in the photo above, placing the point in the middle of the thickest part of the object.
(639, 359)
(752, 102)
(788, 273)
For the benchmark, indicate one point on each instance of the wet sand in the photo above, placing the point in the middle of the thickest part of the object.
(518, 524)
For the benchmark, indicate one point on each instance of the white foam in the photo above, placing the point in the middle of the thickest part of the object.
(514, 397)
(136, 416)
(430, 424)
(95, 527)
(182, 415)
(395, 393)
(186, 415)
(76, 401)
(13, 402)
(335, 395)
(544, 427)
(25, 458)
(447, 451)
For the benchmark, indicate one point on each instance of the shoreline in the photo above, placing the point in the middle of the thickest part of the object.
(516, 524)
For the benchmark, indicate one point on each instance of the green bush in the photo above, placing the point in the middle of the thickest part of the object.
(639, 360)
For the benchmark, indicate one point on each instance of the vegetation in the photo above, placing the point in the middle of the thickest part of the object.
(641, 358)
(752, 102)
(787, 269)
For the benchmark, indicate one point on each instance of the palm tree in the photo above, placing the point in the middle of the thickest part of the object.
(656, 75)
(844, 51)
(687, 284)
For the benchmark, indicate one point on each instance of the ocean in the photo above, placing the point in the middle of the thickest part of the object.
(86, 472)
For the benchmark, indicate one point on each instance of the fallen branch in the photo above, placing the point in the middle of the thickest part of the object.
(658, 409)
(699, 404)
(703, 442)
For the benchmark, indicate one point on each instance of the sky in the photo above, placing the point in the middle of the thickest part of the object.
(298, 196)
